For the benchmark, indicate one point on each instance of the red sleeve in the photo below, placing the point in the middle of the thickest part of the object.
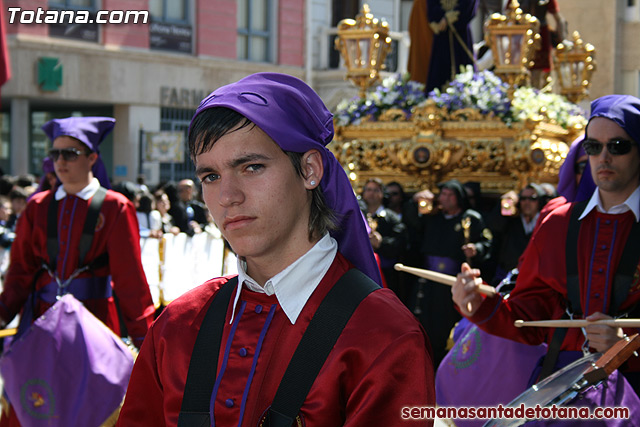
(540, 289)
(129, 282)
(143, 405)
(401, 376)
(23, 266)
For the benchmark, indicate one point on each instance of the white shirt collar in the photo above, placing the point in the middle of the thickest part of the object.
(85, 194)
(529, 226)
(294, 285)
(631, 204)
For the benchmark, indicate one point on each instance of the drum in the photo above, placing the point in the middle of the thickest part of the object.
(557, 389)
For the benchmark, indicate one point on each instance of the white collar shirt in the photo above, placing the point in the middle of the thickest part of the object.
(294, 285)
(631, 204)
(85, 194)
(529, 226)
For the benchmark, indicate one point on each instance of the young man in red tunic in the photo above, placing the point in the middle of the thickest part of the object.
(605, 224)
(285, 205)
(114, 254)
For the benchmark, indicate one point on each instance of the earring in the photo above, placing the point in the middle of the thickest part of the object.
(312, 182)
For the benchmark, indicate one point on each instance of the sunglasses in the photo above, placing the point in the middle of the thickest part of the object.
(68, 154)
(615, 147)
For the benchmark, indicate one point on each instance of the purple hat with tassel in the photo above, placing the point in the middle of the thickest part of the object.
(91, 131)
(295, 117)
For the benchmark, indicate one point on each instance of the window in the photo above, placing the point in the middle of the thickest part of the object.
(74, 4)
(175, 119)
(87, 32)
(170, 29)
(254, 30)
(169, 11)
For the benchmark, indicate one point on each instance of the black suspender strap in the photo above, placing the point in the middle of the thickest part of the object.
(550, 359)
(52, 232)
(571, 255)
(87, 232)
(204, 361)
(90, 223)
(573, 289)
(316, 344)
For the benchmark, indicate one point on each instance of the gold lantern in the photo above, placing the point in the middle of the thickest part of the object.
(363, 44)
(574, 66)
(513, 39)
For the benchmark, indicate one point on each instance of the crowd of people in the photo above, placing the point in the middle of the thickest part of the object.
(318, 327)
(439, 232)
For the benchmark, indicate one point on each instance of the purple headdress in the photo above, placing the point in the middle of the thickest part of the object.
(295, 117)
(567, 186)
(91, 131)
(47, 168)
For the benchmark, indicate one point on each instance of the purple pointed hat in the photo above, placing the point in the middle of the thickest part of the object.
(295, 117)
(91, 131)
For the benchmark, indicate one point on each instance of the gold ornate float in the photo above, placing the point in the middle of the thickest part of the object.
(389, 134)
(435, 145)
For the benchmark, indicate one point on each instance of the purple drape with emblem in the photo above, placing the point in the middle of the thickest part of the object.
(483, 370)
(68, 369)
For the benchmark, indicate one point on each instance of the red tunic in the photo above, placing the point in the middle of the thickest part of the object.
(379, 364)
(116, 233)
(540, 291)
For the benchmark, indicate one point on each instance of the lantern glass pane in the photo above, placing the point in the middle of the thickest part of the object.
(365, 52)
(516, 48)
(565, 75)
(353, 54)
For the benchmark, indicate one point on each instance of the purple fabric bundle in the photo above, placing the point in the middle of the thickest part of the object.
(68, 369)
(483, 370)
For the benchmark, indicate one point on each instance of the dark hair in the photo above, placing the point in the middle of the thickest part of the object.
(18, 193)
(25, 180)
(6, 184)
(145, 202)
(212, 124)
(128, 189)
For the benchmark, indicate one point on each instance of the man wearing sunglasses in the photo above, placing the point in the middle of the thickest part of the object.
(40, 271)
(583, 260)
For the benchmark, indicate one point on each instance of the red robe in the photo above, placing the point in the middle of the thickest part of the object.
(379, 364)
(116, 233)
(540, 291)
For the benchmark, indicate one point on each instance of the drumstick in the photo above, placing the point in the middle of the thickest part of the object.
(8, 332)
(445, 279)
(579, 323)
